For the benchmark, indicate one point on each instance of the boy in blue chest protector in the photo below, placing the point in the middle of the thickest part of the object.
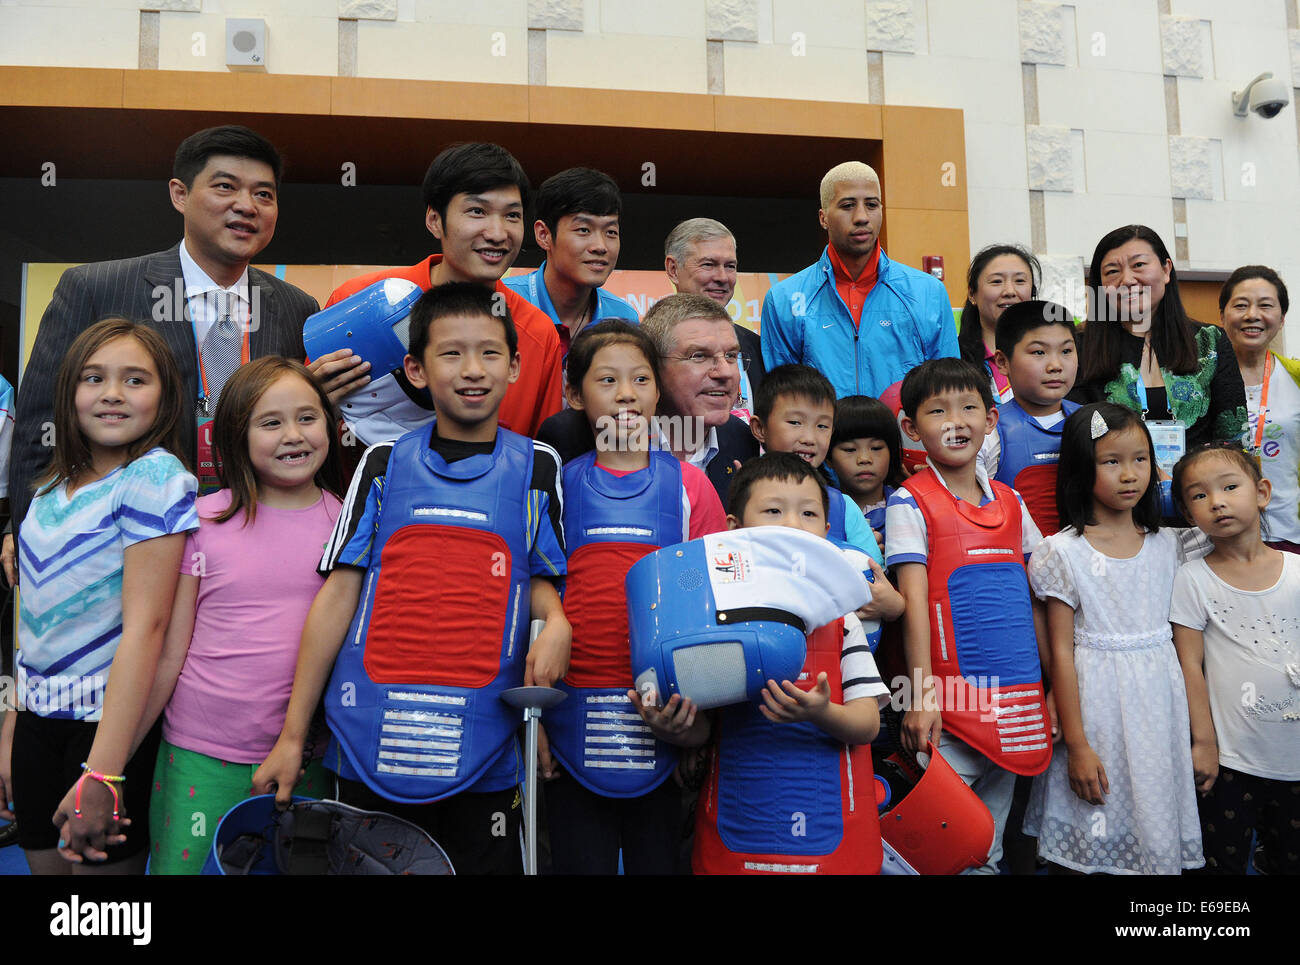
(1036, 352)
(449, 541)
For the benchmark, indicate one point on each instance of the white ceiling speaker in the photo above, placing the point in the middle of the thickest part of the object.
(246, 44)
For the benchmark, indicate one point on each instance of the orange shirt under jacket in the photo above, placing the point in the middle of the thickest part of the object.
(854, 291)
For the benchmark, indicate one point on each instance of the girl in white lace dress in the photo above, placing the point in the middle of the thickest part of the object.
(1119, 795)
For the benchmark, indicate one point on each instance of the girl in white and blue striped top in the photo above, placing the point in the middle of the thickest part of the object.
(98, 552)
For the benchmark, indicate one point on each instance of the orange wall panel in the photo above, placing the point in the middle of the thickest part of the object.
(916, 232)
(382, 97)
(924, 158)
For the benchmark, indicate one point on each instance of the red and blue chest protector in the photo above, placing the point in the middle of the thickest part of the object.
(788, 798)
(1029, 459)
(983, 650)
(610, 522)
(442, 625)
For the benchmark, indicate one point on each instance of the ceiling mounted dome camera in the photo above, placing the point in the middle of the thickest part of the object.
(1263, 95)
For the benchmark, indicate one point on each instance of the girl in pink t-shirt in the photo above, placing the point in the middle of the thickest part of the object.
(248, 578)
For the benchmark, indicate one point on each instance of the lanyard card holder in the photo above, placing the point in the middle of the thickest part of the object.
(1170, 440)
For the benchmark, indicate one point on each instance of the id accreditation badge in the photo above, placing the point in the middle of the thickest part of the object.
(207, 463)
(1170, 441)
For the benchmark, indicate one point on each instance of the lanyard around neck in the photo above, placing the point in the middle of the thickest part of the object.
(1142, 396)
(1263, 404)
(244, 348)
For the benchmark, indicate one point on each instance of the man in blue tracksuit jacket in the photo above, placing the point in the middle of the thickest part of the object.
(861, 319)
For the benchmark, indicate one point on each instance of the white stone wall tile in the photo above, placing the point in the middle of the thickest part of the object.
(1183, 51)
(465, 51)
(269, 10)
(827, 23)
(1064, 282)
(891, 25)
(1191, 173)
(1261, 13)
(1125, 163)
(731, 20)
(136, 5)
(663, 18)
(987, 91)
(1111, 100)
(556, 15)
(179, 6)
(1118, 35)
(988, 31)
(498, 14)
(1042, 33)
(995, 156)
(1261, 168)
(1243, 50)
(368, 9)
(1050, 158)
(624, 62)
(771, 70)
(1254, 235)
(765, 34)
(189, 41)
(997, 216)
(86, 37)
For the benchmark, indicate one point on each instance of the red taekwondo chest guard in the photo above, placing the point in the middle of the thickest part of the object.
(1028, 461)
(441, 627)
(715, 618)
(983, 651)
(610, 522)
(788, 798)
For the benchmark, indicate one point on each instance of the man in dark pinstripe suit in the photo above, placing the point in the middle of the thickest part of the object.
(225, 184)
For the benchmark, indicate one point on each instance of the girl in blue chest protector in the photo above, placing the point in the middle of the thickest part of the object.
(614, 751)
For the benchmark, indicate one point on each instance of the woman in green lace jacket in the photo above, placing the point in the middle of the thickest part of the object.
(1138, 332)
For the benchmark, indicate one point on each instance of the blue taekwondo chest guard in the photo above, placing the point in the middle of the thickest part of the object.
(610, 522)
(715, 618)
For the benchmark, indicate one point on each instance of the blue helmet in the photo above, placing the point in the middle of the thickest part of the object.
(373, 323)
(319, 837)
(715, 618)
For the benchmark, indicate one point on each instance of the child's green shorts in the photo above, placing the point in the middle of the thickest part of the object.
(191, 793)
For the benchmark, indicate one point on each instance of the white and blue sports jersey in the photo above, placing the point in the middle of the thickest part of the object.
(70, 556)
